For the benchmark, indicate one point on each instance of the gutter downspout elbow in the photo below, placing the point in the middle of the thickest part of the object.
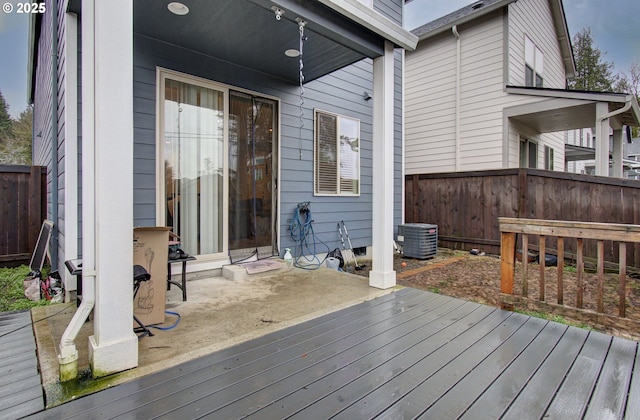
(625, 108)
(68, 357)
(454, 30)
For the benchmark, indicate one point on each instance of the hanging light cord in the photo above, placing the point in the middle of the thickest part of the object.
(301, 25)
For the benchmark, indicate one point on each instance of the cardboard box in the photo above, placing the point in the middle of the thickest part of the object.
(150, 250)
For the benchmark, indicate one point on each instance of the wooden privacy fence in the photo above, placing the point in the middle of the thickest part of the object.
(466, 206)
(598, 232)
(22, 210)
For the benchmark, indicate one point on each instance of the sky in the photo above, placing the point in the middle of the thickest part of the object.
(615, 28)
(615, 24)
(13, 57)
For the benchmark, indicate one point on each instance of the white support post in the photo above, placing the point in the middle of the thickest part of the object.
(382, 274)
(114, 345)
(602, 139)
(617, 170)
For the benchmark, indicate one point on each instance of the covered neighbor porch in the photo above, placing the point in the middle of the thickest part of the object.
(562, 110)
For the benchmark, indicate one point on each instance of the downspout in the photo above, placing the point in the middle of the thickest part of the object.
(600, 127)
(68, 357)
(54, 135)
(454, 29)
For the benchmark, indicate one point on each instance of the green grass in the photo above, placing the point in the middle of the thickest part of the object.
(554, 318)
(12, 296)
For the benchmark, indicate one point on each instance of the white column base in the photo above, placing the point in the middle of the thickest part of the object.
(113, 357)
(381, 280)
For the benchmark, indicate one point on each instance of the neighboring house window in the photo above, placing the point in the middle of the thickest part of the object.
(528, 154)
(534, 64)
(336, 154)
(548, 158)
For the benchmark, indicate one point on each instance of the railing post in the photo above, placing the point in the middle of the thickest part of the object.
(600, 302)
(507, 264)
(542, 262)
(580, 272)
(622, 302)
(525, 264)
(560, 270)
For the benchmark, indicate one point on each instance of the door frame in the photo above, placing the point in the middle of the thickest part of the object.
(164, 73)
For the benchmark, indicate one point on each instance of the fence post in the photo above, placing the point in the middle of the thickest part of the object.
(522, 192)
(416, 200)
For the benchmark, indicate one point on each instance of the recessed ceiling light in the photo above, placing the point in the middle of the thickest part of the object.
(178, 8)
(292, 53)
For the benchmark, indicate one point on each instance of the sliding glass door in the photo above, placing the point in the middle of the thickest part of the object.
(194, 163)
(218, 183)
(252, 175)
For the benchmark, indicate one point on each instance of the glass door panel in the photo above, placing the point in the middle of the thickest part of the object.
(194, 165)
(252, 174)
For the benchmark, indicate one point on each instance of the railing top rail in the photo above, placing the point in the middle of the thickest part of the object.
(571, 229)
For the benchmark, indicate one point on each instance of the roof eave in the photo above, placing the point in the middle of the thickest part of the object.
(562, 29)
(373, 21)
(32, 56)
(468, 18)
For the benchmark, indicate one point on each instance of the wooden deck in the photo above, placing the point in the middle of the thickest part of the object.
(20, 388)
(408, 354)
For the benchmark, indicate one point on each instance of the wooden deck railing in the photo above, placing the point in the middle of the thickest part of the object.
(560, 230)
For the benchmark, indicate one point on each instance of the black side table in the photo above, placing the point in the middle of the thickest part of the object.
(170, 281)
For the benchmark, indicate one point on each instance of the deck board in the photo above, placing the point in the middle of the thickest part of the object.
(402, 375)
(20, 386)
(141, 391)
(610, 396)
(235, 383)
(409, 354)
(538, 391)
(360, 357)
(491, 396)
(633, 402)
(318, 380)
(459, 383)
(574, 395)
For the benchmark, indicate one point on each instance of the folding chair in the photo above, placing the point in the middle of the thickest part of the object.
(140, 274)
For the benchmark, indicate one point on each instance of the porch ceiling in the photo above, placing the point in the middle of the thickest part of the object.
(247, 33)
(560, 119)
(574, 153)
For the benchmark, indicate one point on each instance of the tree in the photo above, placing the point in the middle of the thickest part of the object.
(22, 137)
(15, 136)
(630, 84)
(5, 120)
(592, 74)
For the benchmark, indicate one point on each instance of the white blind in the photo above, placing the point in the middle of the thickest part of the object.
(326, 151)
(337, 154)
